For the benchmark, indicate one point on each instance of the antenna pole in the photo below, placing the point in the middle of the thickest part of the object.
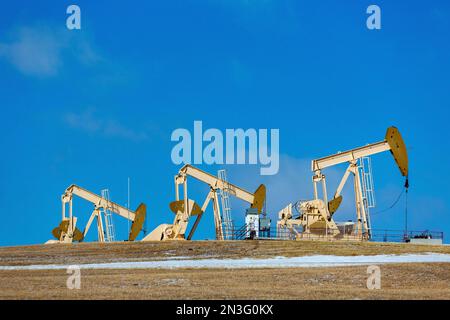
(406, 215)
(406, 208)
(128, 203)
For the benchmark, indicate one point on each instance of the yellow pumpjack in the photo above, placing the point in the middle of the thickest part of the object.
(316, 216)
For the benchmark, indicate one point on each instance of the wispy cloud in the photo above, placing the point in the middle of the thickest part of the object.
(42, 51)
(91, 122)
(33, 52)
(292, 183)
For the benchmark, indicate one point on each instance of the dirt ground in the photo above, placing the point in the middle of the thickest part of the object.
(398, 281)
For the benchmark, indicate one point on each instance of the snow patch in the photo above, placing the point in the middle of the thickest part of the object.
(245, 263)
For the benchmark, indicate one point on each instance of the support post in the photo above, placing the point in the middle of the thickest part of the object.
(324, 191)
(217, 218)
(101, 235)
(71, 228)
(358, 209)
(358, 191)
(185, 195)
(197, 220)
(177, 189)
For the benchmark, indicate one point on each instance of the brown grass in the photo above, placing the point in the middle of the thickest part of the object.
(402, 281)
(405, 281)
(139, 251)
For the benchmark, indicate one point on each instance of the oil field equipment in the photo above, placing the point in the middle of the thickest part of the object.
(67, 231)
(224, 194)
(257, 225)
(185, 208)
(316, 216)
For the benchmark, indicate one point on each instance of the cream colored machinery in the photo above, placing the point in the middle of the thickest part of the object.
(67, 232)
(316, 215)
(185, 208)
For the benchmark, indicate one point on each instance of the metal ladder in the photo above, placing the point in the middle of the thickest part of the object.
(367, 186)
(109, 223)
(227, 222)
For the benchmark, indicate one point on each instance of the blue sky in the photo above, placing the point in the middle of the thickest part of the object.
(98, 105)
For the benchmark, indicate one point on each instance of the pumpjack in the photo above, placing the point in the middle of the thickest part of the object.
(316, 216)
(185, 208)
(68, 232)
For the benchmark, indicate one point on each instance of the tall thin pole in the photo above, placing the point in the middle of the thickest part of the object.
(128, 204)
(406, 215)
(406, 207)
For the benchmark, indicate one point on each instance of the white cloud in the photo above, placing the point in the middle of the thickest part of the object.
(91, 122)
(43, 51)
(33, 52)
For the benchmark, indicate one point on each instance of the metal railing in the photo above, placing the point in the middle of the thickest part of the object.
(400, 236)
(234, 233)
(377, 235)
